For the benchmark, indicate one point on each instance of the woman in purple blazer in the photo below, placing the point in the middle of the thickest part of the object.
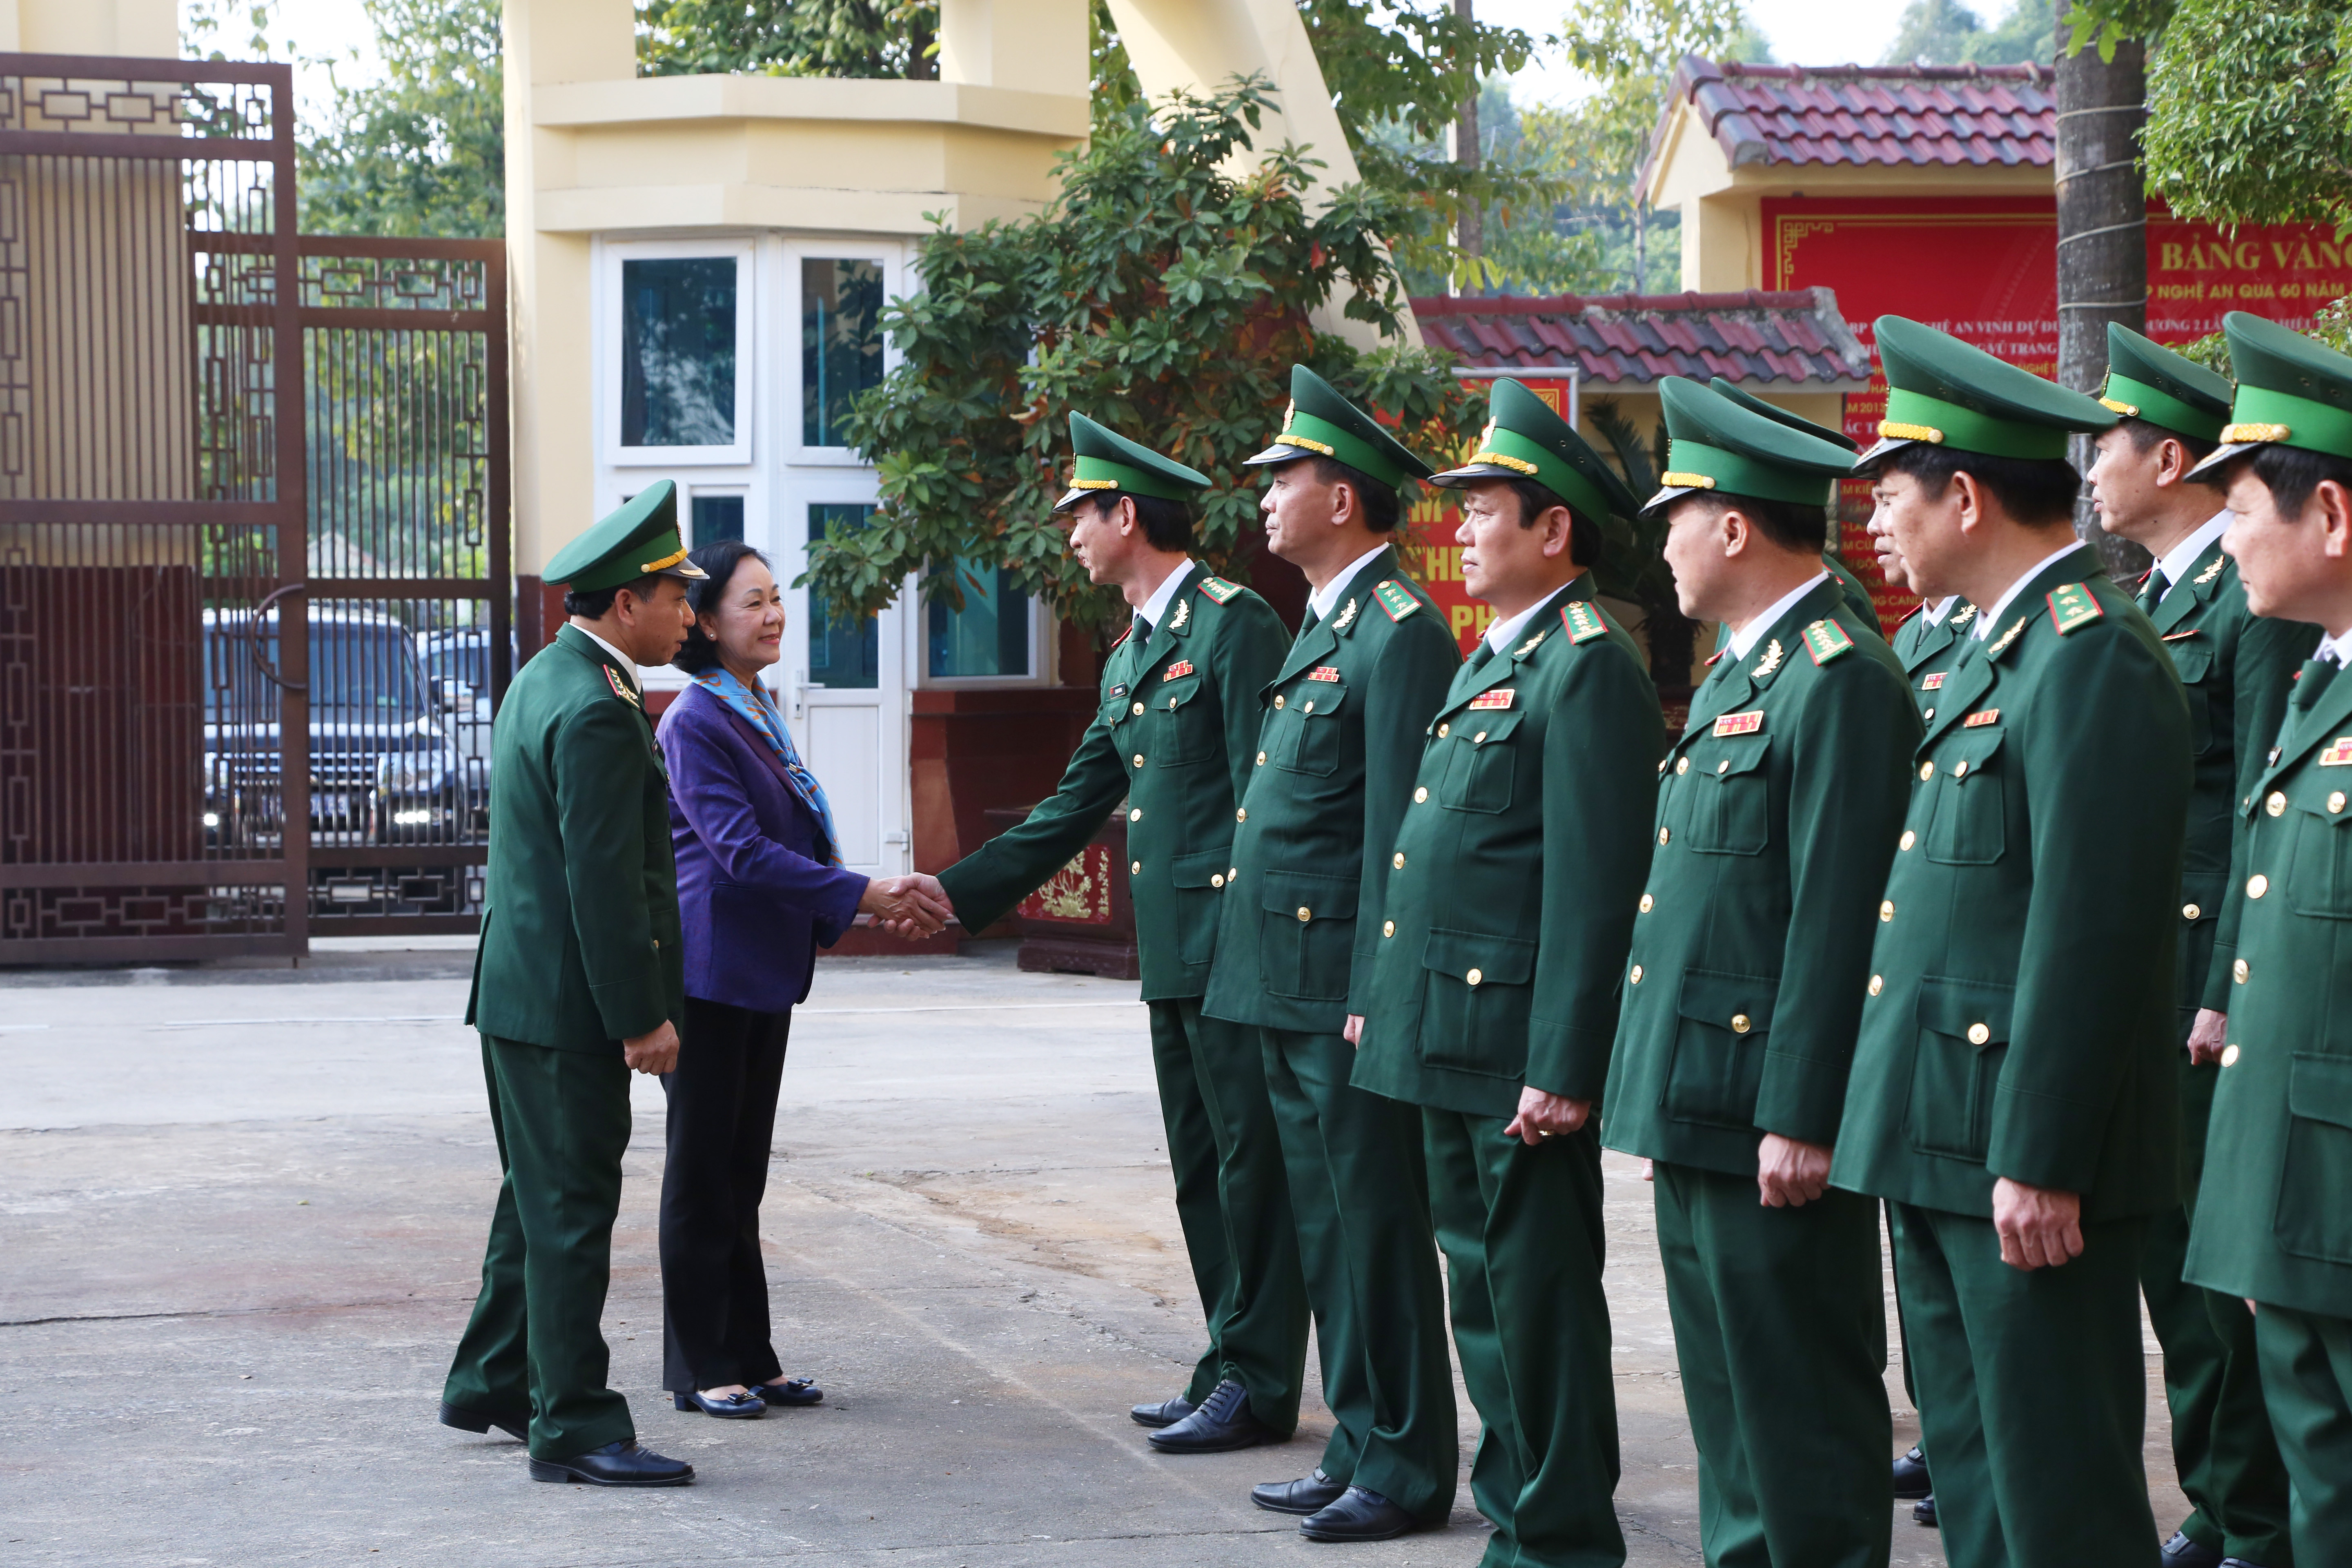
(760, 886)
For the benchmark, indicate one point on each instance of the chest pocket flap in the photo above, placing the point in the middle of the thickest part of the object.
(1477, 764)
(1969, 825)
(1962, 1007)
(1956, 1067)
(2193, 657)
(1723, 999)
(1495, 960)
(1183, 724)
(1308, 896)
(2319, 874)
(1302, 736)
(1731, 805)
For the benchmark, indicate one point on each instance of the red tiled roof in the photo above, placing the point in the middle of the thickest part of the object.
(1787, 338)
(1917, 115)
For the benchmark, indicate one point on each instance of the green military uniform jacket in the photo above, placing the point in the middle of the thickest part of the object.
(2275, 1213)
(581, 947)
(1503, 936)
(1174, 738)
(1928, 649)
(1345, 718)
(2236, 670)
(2018, 1019)
(1777, 815)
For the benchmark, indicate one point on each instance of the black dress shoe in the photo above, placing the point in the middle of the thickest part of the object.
(515, 1426)
(1166, 1413)
(1223, 1422)
(1359, 1515)
(1308, 1494)
(621, 1464)
(744, 1406)
(1923, 1511)
(2184, 1552)
(792, 1390)
(1911, 1475)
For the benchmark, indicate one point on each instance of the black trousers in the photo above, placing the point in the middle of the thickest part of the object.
(722, 1119)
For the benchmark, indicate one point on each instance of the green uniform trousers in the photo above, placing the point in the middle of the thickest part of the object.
(2033, 1393)
(1359, 1190)
(1521, 1231)
(536, 1342)
(1780, 1331)
(2306, 1363)
(1233, 1201)
(2223, 1448)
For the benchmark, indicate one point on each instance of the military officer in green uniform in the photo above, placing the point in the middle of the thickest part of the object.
(580, 979)
(2236, 670)
(2273, 1224)
(1857, 597)
(2013, 1090)
(1494, 994)
(1777, 815)
(1173, 740)
(1299, 929)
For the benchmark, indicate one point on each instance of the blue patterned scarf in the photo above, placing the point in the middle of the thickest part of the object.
(757, 707)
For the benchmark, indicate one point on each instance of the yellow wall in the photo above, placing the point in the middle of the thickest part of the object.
(145, 29)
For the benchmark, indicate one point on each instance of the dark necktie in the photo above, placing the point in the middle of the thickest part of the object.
(1481, 655)
(2151, 592)
(1309, 622)
(1142, 631)
(2316, 674)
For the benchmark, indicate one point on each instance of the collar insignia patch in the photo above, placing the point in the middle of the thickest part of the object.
(1999, 645)
(1393, 598)
(1220, 590)
(1962, 615)
(1184, 612)
(1773, 654)
(1582, 621)
(2219, 563)
(1347, 617)
(1528, 646)
(1500, 697)
(620, 689)
(1746, 723)
(1979, 719)
(1324, 672)
(2339, 754)
(1825, 640)
(1933, 682)
(2071, 607)
(1182, 666)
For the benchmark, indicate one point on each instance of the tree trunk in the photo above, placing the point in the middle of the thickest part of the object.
(1470, 223)
(2102, 240)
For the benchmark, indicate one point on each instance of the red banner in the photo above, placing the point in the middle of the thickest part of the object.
(1986, 270)
(1433, 524)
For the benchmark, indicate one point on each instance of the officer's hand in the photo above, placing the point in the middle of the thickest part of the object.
(2039, 1227)
(1543, 1116)
(2206, 1035)
(1353, 1032)
(654, 1053)
(1789, 1174)
(907, 906)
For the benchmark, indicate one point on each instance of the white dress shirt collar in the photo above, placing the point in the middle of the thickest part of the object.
(2000, 605)
(628, 665)
(1326, 599)
(1501, 636)
(1934, 610)
(2178, 559)
(1154, 607)
(2339, 648)
(1746, 637)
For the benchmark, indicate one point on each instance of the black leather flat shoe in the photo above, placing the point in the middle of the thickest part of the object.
(2185, 1550)
(1221, 1423)
(744, 1406)
(1308, 1494)
(792, 1391)
(1359, 1515)
(1166, 1413)
(1911, 1475)
(621, 1464)
(1923, 1511)
(515, 1426)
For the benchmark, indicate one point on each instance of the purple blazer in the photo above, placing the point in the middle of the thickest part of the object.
(754, 900)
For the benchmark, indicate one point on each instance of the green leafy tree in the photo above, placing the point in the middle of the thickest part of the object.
(1947, 33)
(788, 37)
(1158, 293)
(423, 151)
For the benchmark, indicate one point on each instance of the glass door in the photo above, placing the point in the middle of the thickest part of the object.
(847, 698)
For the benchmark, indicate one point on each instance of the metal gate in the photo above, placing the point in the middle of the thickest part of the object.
(254, 601)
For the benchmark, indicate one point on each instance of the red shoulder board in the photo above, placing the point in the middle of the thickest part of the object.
(1123, 636)
(620, 688)
(1909, 613)
(1718, 653)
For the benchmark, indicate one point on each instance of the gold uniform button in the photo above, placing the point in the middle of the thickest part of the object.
(1443, 731)
(1926, 771)
(1135, 814)
(1135, 867)
(1647, 903)
(2276, 804)
(1421, 795)
(1978, 1033)
(1305, 913)
(1309, 707)
(1636, 976)
(1261, 759)
(1475, 976)
(1388, 928)
(1885, 909)
(1663, 835)
(1741, 1022)
(2190, 911)
(1961, 769)
(2257, 885)
(1398, 860)
(1929, 714)
(2240, 971)
(2229, 1055)
(2336, 804)
(1877, 983)
(1682, 765)
(1241, 813)
(1138, 758)
(1233, 873)
(1217, 880)
(1139, 708)
(1479, 739)
(1277, 700)
(1724, 766)
(1908, 839)
(1662, 764)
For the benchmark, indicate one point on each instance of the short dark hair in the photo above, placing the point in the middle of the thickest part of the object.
(2143, 436)
(596, 602)
(2291, 473)
(1583, 533)
(1167, 524)
(2036, 492)
(1382, 507)
(1791, 525)
(718, 562)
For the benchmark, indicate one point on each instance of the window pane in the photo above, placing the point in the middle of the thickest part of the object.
(841, 343)
(677, 353)
(842, 655)
(717, 518)
(989, 635)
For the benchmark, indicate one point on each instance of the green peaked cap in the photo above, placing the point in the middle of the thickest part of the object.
(1754, 405)
(627, 544)
(1717, 445)
(1524, 439)
(1110, 463)
(1322, 424)
(2147, 380)
(2292, 392)
(1951, 393)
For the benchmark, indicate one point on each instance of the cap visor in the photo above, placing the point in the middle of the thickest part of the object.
(684, 569)
(1279, 452)
(2220, 456)
(1472, 473)
(1884, 446)
(1668, 495)
(1072, 496)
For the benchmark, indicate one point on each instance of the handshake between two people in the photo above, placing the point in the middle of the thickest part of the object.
(909, 906)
